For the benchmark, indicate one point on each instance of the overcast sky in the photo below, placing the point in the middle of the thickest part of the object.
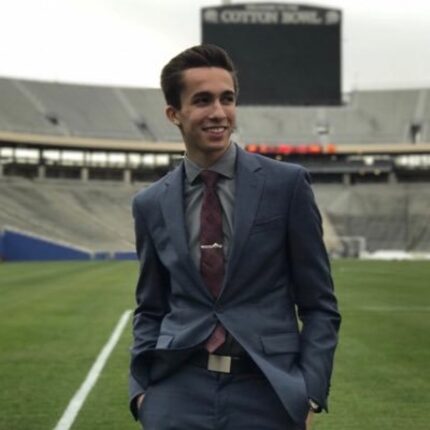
(386, 43)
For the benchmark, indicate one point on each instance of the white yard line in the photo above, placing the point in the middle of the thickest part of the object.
(78, 399)
(400, 308)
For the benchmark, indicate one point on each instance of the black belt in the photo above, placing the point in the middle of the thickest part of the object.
(224, 363)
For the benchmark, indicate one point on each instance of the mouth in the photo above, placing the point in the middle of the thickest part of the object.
(215, 129)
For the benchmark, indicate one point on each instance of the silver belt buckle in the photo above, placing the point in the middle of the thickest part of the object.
(219, 363)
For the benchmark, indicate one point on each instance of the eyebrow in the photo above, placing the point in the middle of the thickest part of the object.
(209, 94)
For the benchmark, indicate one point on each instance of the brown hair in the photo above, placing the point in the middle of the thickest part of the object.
(197, 56)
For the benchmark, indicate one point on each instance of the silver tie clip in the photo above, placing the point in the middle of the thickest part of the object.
(214, 245)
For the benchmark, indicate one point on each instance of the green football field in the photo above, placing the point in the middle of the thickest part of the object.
(56, 317)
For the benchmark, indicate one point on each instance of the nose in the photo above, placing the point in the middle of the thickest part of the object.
(217, 111)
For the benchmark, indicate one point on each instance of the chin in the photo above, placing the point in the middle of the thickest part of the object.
(216, 146)
(218, 143)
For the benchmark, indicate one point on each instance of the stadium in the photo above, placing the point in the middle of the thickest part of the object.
(62, 143)
(73, 155)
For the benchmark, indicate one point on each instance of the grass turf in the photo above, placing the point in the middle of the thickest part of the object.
(55, 318)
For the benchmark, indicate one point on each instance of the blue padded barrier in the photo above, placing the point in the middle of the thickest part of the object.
(125, 255)
(102, 255)
(22, 246)
(1, 246)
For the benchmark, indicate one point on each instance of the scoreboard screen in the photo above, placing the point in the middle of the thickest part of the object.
(285, 54)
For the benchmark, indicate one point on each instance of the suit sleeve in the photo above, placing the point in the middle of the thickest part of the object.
(313, 291)
(152, 305)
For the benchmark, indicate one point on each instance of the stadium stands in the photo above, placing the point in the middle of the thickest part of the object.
(385, 115)
(150, 104)
(91, 209)
(387, 216)
(19, 113)
(368, 117)
(423, 114)
(276, 124)
(98, 217)
(84, 110)
(90, 215)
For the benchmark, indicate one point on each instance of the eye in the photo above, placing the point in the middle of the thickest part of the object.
(228, 99)
(201, 100)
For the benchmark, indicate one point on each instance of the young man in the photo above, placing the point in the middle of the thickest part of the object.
(230, 246)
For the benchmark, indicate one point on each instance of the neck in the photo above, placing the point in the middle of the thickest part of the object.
(205, 160)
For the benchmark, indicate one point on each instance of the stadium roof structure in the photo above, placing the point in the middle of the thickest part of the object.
(132, 119)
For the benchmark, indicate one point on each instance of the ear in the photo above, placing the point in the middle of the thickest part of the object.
(172, 115)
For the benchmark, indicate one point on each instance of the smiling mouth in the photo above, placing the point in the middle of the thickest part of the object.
(215, 129)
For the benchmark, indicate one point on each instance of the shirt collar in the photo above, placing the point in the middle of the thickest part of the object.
(224, 166)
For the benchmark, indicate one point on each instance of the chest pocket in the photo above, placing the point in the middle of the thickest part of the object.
(267, 224)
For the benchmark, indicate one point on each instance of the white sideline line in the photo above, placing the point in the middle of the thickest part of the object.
(396, 308)
(78, 399)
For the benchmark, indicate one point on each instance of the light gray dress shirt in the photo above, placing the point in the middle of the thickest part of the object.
(194, 187)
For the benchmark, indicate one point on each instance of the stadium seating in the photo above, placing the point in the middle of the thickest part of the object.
(18, 113)
(383, 116)
(150, 104)
(273, 125)
(85, 110)
(387, 216)
(91, 215)
(423, 115)
(98, 217)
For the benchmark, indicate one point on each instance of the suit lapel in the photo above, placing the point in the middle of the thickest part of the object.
(173, 209)
(248, 189)
(172, 204)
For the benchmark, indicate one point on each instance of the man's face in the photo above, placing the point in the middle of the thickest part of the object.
(207, 114)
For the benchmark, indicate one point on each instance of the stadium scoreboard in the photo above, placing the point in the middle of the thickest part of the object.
(286, 54)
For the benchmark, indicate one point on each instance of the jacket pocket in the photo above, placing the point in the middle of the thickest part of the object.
(281, 343)
(265, 224)
(164, 341)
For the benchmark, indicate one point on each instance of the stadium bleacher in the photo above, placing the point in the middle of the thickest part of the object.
(277, 124)
(84, 110)
(97, 216)
(388, 216)
(423, 114)
(150, 104)
(88, 212)
(18, 113)
(138, 114)
(90, 215)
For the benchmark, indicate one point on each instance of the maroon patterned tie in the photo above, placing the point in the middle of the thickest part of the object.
(211, 249)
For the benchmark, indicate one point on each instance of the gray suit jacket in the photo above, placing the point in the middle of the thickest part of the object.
(278, 264)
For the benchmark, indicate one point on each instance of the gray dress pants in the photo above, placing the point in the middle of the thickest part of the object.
(197, 399)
